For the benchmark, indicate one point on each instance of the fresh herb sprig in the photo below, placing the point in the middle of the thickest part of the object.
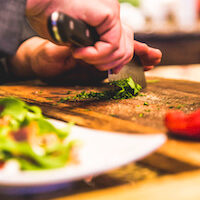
(135, 3)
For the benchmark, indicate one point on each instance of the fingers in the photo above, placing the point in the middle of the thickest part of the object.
(115, 47)
(109, 43)
(147, 68)
(125, 54)
(148, 56)
(129, 49)
(109, 59)
(108, 26)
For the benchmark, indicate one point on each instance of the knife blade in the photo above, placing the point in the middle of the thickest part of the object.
(65, 29)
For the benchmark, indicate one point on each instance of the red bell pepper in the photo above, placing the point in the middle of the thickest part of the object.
(187, 125)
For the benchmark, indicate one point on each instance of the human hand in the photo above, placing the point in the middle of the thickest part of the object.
(46, 60)
(40, 57)
(115, 47)
(49, 60)
(56, 65)
(149, 56)
(59, 59)
(37, 57)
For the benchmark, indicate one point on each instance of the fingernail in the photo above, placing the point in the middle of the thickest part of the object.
(157, 50)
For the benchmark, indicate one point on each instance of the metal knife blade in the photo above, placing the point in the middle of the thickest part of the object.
(132, 69)
(65, 29)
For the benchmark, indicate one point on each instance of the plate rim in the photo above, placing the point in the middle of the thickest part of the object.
(161, 136)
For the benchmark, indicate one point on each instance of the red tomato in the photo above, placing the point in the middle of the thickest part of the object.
(187, 125)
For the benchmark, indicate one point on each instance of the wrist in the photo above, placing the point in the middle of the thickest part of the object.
(37, 12)
(36, 7)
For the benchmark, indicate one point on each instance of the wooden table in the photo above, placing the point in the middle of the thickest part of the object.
(172, 172)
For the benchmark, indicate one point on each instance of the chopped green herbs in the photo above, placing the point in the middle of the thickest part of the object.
(153, 81)
(141, 115)
(87, 110)
(48, 98)
(62, 100)
(28, 137)
(146, 104)
(142, 95)
(69, 92)
(122, 89)
(135, 3)
(113, 115)
(180, 106)
(177, 107)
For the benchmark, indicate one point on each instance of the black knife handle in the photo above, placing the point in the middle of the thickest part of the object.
(65, 29)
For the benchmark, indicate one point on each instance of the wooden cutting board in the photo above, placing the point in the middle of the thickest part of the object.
(142, 114)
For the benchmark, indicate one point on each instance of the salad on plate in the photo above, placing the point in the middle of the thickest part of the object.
(29, 140)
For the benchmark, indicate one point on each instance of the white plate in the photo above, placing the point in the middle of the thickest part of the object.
(100, 151)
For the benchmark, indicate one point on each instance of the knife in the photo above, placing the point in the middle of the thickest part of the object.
(65, 29)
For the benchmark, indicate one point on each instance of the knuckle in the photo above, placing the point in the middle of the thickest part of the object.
(120, 54)
(115, 46)
(109, 13)
(124, 53)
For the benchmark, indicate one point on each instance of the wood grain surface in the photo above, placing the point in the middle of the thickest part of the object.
(156, 176)
(130, 116)
(183, 186)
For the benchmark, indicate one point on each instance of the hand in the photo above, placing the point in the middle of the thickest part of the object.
(149, 56)
(46, 60)
(49, 60)
(42, 58)
(37, 57)
(115, 47)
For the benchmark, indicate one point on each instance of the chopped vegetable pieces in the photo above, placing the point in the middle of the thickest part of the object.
(122, 89)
